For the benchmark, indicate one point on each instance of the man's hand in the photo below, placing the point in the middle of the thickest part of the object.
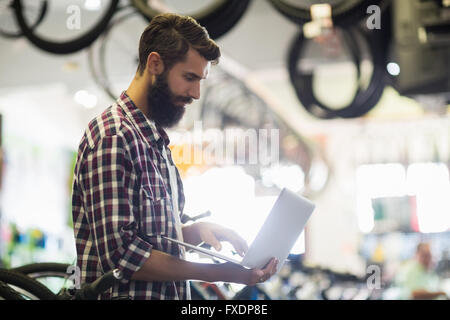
(213, 234)
(238, 274)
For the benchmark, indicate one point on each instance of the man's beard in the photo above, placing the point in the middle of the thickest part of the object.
(161, 103)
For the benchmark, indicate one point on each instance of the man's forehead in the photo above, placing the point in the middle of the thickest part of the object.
(195, 65)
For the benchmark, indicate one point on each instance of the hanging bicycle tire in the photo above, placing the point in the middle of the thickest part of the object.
(228, 102)
(365, 98)
(58, 46)
(218, 19)
(26, 286)
(104, 67)
(344, 12)
(8, 25)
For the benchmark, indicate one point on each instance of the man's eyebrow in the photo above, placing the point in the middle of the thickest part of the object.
(194, 75)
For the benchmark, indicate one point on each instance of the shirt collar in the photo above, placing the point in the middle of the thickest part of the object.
(156, 134)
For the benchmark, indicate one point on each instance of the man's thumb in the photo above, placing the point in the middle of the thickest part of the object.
(217, 246)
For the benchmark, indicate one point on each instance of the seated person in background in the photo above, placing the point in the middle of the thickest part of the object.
(416, 278)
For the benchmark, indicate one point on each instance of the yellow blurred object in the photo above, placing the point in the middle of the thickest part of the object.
(187, 156)
(378, 255)
(36, 233)
(71, 66)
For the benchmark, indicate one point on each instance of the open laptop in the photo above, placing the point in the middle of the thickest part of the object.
(277, 236)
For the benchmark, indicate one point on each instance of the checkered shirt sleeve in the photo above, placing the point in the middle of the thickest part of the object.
(108, 183)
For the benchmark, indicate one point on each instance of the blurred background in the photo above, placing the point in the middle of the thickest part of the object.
(344, 102)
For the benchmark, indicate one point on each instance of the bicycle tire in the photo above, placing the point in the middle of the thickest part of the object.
(18, 34)
(303, 83)
(363, 101)
(218, 19)
(8, 293)
(345, 14)
(217, 113)
(27, 284)
(39, 270)
(229, 111)
(149, 12)
(64, 47)
(100, 74)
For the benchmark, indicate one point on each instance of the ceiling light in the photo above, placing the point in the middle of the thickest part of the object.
(86, 99)
(93, 5)
(393, 68)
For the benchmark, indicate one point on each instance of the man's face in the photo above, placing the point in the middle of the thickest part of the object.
(424, 256)
(176, 88)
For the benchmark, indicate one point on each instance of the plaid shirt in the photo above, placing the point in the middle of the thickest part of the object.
(121, 201)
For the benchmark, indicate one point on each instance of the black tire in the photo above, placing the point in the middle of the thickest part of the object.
(363, 101)
(18, 33)
(8, 293)
(228, 101)
(27, 284)
(54, 276)
(64, 47)
(218, 19)
(97, 54)
(346, 13)
(39, 270)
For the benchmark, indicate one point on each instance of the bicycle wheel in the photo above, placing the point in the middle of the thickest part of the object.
(113, 59)
(228, 102)
(54, 276)
(344, 12)
(218, 17)
(69, 26)
(35, 12)
(26, 286)
(365, 98)
(38, 270)
(8, 293)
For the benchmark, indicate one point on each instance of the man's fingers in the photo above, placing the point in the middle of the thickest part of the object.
(214, 236)
(275, 266)
(212, 240)
(216, 244)
(241, 248)
(239, 244)
(271, 267)
(269, 270)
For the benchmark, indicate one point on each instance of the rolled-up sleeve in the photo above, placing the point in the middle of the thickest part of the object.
(109, 184)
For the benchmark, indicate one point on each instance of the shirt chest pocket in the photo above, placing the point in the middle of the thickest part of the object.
(156, 215)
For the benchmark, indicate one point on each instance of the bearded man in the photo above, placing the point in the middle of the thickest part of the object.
(127, 192)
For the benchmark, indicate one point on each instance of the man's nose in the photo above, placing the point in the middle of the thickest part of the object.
(194, 92)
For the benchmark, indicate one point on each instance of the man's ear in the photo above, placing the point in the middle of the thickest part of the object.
(155, 65)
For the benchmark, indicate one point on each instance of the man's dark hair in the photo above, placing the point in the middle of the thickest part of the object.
(171, 35)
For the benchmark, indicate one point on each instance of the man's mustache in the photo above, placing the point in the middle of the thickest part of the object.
(186, 100)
